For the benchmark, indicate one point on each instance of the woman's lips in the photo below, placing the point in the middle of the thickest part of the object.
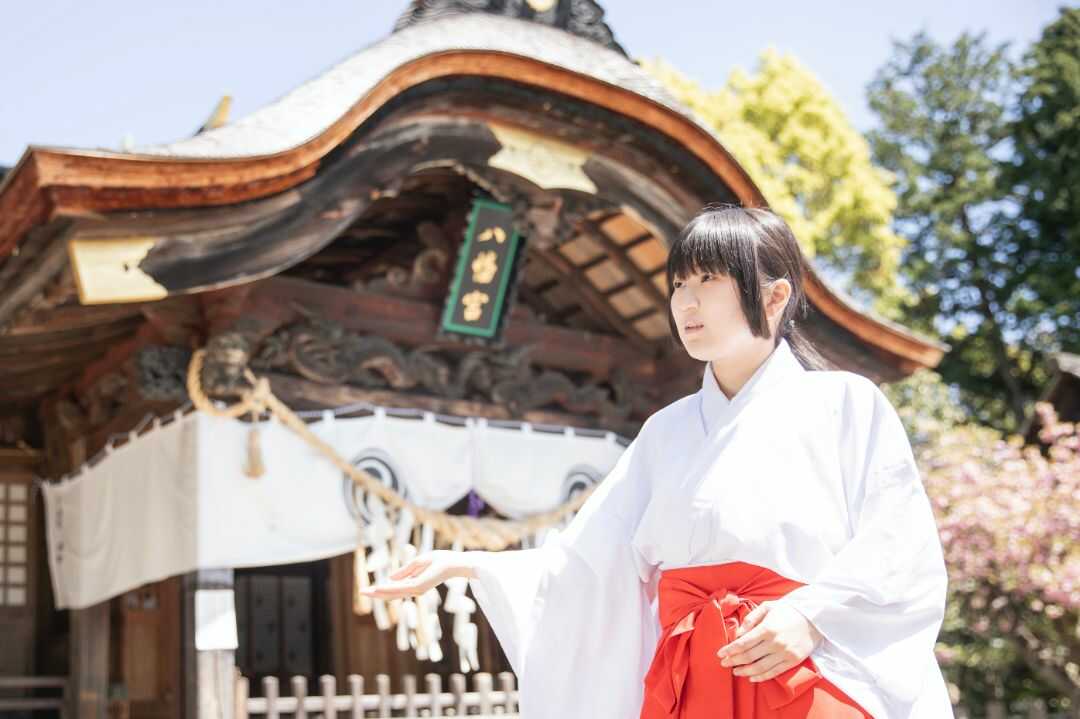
(690, 329)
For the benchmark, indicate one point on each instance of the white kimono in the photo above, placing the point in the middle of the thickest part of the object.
(809, 474)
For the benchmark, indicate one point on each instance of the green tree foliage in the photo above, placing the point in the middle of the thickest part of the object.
(999, 285)
(812, 166)
(1045, 175)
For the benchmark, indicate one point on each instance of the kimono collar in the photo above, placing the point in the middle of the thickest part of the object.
(716, 407)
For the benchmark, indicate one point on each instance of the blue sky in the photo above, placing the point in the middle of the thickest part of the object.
(87, 74)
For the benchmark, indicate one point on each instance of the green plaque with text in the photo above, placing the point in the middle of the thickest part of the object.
(485, 267)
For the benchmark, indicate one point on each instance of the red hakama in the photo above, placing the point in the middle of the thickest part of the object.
(700, 609)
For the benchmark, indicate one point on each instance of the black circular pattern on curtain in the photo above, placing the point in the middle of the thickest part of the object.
(378, 464)
(580, 478)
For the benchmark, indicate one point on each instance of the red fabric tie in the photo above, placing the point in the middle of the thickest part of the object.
(700, 610)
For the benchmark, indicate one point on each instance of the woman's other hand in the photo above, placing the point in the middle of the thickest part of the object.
(771, 639)
(421, 574)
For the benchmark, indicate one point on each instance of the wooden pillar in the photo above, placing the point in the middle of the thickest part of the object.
(209, 673)
(89, 643)
(89, 689)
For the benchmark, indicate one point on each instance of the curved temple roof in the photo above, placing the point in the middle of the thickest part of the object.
(315, 106)
(282, 144)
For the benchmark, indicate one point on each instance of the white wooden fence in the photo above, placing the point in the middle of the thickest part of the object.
(484, 700)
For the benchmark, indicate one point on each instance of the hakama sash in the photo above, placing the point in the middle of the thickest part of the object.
(700, 610)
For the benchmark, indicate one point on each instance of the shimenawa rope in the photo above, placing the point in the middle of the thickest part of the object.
(472, 532)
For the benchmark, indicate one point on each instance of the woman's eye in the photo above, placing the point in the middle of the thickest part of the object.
(706, 278)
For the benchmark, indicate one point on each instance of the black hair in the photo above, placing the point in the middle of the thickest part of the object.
(754, 247)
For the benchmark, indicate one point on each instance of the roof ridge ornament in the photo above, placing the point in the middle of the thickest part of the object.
(584, 18)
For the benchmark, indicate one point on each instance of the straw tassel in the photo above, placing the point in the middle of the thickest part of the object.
(254, 467)
(361, 602)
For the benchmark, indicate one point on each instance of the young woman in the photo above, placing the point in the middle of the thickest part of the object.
(764, 547)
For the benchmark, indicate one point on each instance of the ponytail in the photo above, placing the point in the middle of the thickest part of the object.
(803, 349)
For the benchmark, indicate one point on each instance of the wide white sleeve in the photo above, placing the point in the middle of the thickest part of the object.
(575, 616)
(881, 599)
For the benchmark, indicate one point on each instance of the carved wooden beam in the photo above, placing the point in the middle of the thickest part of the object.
(273, 302)
(300, 393)
(188, 251)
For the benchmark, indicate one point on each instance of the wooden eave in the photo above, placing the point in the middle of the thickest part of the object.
(911, 350)
(52, 182)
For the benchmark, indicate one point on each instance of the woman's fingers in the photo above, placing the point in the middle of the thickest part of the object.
(729, 655)
(419, 575)
(750, 655)
(397, 589)
(403, 572)
(411, 569)
(414, 578)
(775, 670)
(759, 670)
(392, 592)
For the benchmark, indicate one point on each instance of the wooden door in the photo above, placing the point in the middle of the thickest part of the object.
(282, 622)
(149, 646)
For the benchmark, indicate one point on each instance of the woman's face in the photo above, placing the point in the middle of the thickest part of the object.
(709, 316)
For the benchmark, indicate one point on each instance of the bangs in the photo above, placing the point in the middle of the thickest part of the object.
(718, 242)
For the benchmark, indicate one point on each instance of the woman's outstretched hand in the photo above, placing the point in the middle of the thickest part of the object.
(421, 574)
(771, 639)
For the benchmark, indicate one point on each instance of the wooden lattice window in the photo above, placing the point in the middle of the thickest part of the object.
(14, 543)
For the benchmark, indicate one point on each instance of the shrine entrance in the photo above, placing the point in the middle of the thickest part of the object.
(282, 621)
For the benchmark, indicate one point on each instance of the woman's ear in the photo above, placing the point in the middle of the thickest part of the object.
(779, 293)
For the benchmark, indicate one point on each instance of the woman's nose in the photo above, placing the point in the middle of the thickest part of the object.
(685, 299)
